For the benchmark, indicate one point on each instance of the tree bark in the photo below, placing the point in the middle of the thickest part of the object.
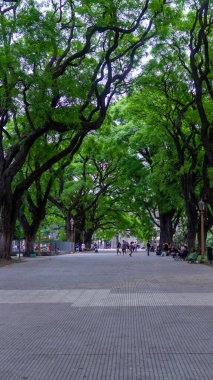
(88, 238)
(7, 226)
(29, 244)
(166, 227)
(188, 181)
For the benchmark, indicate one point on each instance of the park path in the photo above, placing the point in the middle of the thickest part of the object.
(106, 317)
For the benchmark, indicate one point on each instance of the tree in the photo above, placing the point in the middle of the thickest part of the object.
(32, 212)
(156, 186)
(89, 189)
(175, 90)
(60, 68)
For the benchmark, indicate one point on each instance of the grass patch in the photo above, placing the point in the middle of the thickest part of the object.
(4, 262)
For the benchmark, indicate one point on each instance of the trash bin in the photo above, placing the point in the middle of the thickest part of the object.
(209, 254)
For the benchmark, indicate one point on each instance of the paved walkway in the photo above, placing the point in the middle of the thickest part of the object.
(106, 317)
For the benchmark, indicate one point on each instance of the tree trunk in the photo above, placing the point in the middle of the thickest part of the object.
(68, 227)
(5, 244)
(192, 222)
(78, 236)
(30, 230)
(37, 212)
(188, 181)
(191, 232)
(88, 238)
(29, 244)
(7, 227)
(166, 227)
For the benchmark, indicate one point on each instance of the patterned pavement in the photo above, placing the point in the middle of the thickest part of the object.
(106, 317)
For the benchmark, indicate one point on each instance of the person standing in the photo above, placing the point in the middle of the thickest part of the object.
(148, 248)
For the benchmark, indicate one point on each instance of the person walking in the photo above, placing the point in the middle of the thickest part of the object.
(148, 248)
(124, 247)
(131, 249)
(118, 248)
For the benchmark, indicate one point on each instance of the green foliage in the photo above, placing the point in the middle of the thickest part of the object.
(19, 233)
(59, 66)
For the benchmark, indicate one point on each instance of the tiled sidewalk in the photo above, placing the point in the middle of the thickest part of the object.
(106, 317)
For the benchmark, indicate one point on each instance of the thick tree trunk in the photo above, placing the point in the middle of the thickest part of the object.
(68, 228)
(78, 236)
(192, 222)
(88, 238)
(7, 226)
(5, 244)
(29, 244)
(37, 211)
(191, 232)
(188, 181)
(30, 231)
(166, 227)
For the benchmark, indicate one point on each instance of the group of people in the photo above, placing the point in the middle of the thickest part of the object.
(170, 250)
(79, 247)
(125, 247)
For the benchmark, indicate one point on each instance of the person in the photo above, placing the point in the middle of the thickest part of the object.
(174, 252)
(185, 252)
(96, 247)
(166, 249)
(148, 248)
(124, 246)
(158, 250)
(83, 247)
(118, 247)
(131, 248)
(182, 250)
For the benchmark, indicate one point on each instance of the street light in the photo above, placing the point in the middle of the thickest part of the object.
(72, 238)
(201, 206)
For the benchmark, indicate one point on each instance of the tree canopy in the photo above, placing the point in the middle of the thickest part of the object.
(62, 64)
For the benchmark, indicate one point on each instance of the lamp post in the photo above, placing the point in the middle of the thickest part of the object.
(72, 222)
(201, 206)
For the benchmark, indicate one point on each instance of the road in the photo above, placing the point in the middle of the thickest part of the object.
(100, 316)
